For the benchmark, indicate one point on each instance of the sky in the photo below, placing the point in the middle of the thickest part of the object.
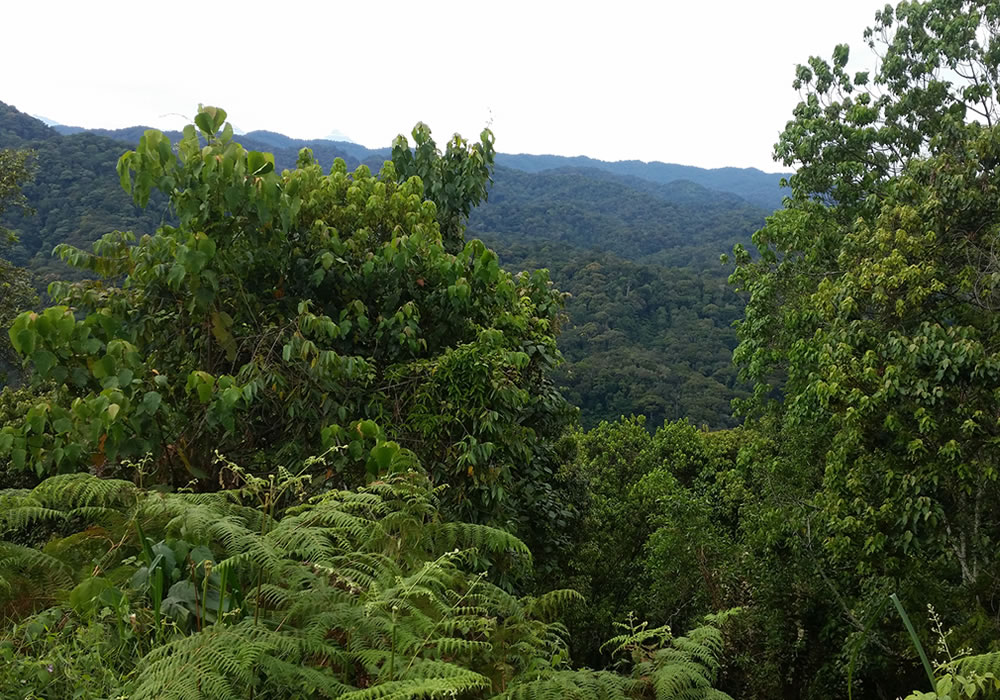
(699, 82)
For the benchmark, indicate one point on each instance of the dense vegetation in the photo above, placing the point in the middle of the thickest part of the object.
(324, 400)
(306, 439)
(680, 224)
(639, 339)
(16, 292)
(669, 313)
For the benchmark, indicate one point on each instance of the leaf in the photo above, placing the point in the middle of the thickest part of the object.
(221, 323)
(183, 592)
(260, 163)
(383, 454)
(151, 402)
(82, 597)
(44, 361)
(205, 123)
(205, 390)
(24, 341)
(201, 554)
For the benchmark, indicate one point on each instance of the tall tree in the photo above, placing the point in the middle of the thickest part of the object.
(871, 330)
(290, 314)
(456, 180)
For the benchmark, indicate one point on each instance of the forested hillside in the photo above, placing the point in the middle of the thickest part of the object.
(639, 339)
(75, 193)
(649, 334)
(677, 225)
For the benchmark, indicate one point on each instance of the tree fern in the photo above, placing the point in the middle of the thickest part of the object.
(980, 664)
(353, 594)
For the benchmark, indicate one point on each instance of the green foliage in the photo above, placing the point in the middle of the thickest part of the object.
(16, 168)
(649, 313)
(456, 180)
(660, 532)
(16, 291)
(353, 594)
(651, 338)
(74, 194)
(288, 314)
(639, 339)
(958, 674)
(871, 334)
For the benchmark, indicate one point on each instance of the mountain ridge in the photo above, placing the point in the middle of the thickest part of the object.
(752, 184)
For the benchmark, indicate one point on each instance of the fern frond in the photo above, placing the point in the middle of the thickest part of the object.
(41, 574)
(483, 538)
(437, 687)
(572, 685)
(69, 491)
(550, 604)
(980, 664)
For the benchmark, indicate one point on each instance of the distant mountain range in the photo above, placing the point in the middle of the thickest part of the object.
(635, 244)
(755, 186)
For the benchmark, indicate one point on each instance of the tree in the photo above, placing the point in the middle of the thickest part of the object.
(16, 291)
(456, 181)
(871, 330)
(16, 168)
(288, 315)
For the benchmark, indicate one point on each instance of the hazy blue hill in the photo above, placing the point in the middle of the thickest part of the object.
(129, 135)
(753, 185)
(352, 153)
(270, 138)
(757, 187)
(285, 149)
(676, 191)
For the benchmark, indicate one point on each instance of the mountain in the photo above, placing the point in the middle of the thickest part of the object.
(75, 193)
(645, 339)
(756, 186)
(677, 224)
(285, 148)
(649, 313)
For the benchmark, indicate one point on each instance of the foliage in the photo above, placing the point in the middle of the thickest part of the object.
(639, 339)
(16, 168)
(74, 193)
(650, 337)
(959, 674)
(354, 594)
(660, 536)
(287, 314)
(870, 332)
(456, 180)
(16, 292)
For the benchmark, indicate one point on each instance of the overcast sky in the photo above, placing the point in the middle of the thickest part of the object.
(697, 82)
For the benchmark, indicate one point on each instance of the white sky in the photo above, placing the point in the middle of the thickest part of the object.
(682, 81)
